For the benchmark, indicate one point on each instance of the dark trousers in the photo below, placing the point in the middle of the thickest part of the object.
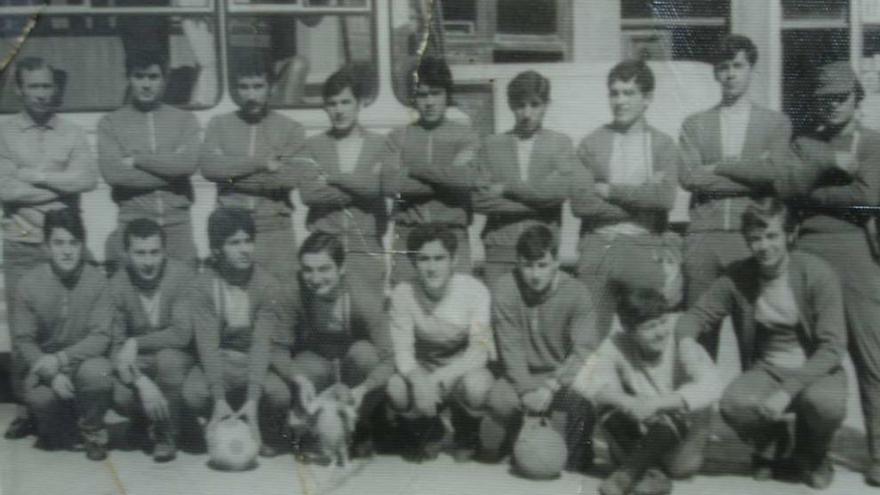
(706, 256)
(55, 417)
(819, 410)
(402, 268)
(850, 256)
(168, 368)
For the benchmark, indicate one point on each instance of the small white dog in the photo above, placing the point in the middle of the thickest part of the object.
(332, 416)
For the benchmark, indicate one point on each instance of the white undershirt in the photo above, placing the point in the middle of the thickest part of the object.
(631, 164)
(151, 307)
(734, 123)
(524, 156)
(349, 150)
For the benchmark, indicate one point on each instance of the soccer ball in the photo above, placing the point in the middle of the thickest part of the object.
(539, 452)
(231, 447)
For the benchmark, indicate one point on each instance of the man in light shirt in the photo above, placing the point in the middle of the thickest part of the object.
(717, 146)
(45, 164)
(625, 191)
(788, 314)
(442, 344)
(147, 152)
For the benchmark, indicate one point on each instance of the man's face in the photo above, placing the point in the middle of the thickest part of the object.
(431, 103)
(837, 109)
(320, 274)
(434, 265)
(343, 110)
(238, 250)
(628, 102)
(253, 93)
(769, 245)
(529, 115)
(38, 91)
(651, 336)
(734, 75)
(538, 274)
(145, 256)
(65, 250)
(147, 84)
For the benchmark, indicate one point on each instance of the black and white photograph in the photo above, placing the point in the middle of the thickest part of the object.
(439, 247)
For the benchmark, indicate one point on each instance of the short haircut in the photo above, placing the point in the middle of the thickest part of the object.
(636, 305)
(31, 64)
(759, 213)
(433, 71)
(142, 228)
(226, 222)
(527, 85)
(732, 44)
(322, 242)
(346, 77)
(535, 242)
(252, 67)
(429, 232)
(67, 219)
(144, 59)
(637, 70)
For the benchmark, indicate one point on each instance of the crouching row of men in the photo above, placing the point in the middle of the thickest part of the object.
(446, 348)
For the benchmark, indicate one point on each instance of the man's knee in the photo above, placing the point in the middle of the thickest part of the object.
(503, 401)
(95, 374)
(362, 357)
(398, 393)
(684, 466)
(173, 366)
(40, 399)
(276, 394)
(822, 404)
(740, 408)
(314, 367)
(474, 387)
(195, 392)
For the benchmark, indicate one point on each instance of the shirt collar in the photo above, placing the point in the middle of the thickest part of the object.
(25, 122)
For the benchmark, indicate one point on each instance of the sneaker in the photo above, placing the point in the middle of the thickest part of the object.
(269, 451)
(95, 451)
(363, 449)
(872, 475)
(164, 450)
(653, 482)
(20, 427)
(619, 483)
(762, 469)
(819, 477)
(463, 454)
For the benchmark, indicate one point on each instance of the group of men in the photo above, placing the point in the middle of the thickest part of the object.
(778, 240)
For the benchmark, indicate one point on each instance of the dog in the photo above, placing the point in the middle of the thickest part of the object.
(332, 417)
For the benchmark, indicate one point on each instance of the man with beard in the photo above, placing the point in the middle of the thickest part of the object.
(788, 315)
(147, 152)
(234, 315)
(528, 173)
(63, 375)
(150, 350)
(434, 179)
(626, 188)
(545, 328)
(246, 153)
(718, 146)
(341, 171)
(442, 345)
(341, 335)
(45, 164)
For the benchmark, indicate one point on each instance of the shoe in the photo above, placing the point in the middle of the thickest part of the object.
(164, 451)
(762, 469)
(619, 483)
(872, 475)
(268, 451)
(820, 476)
(463, 454)
(653, 482)
(363, 449)
(20, 427)
(95, 451)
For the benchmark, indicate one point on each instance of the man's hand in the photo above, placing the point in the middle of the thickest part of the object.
(155, 404)
(32, 176)
(537, 401)
(775, 405)
(426, 393)
(46, 367)
(221, 410)
(62, 386)
(357, 394)
(128, 162)
(641, 410)
(305, 391)
(603, 189)
(845, 161)
(248, 413)
(126, 361)
(273, 164)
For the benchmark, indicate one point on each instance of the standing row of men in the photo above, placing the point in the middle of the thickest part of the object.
(621, 182)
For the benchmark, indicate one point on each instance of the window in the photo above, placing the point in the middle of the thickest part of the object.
(673, 29)
(87, 42)
(304, 41)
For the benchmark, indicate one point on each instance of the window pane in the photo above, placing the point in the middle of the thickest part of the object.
(814, 9)
(804, 50)
(303, 50)
(459, 10)
(680, 43)
(88, 53)
(666, 9)
(527, 16)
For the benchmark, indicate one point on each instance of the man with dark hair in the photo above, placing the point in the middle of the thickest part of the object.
(45, 164)
(434, 179)
(234, 315)
(149, 347)
(624, 192)
(60, 371)
(788, 315)
(545, 329)
(527, 171)
(653, 393)
(341, 180)
(340, 337)
(248, 153)
(442, 344)
(147, 151)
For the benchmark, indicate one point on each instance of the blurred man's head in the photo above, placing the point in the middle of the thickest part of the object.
(322, 264)
(630, 92)
(252, 85)
(231, 234)
(35, 83)
(735, 59)
(528, 95)
(838, 94)
(144, 243)
(344, 93)
(65, 237)
(432, 248)
(644, 315)
(432, 90)
(537, 259)
(147, 73)
(769, 229)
